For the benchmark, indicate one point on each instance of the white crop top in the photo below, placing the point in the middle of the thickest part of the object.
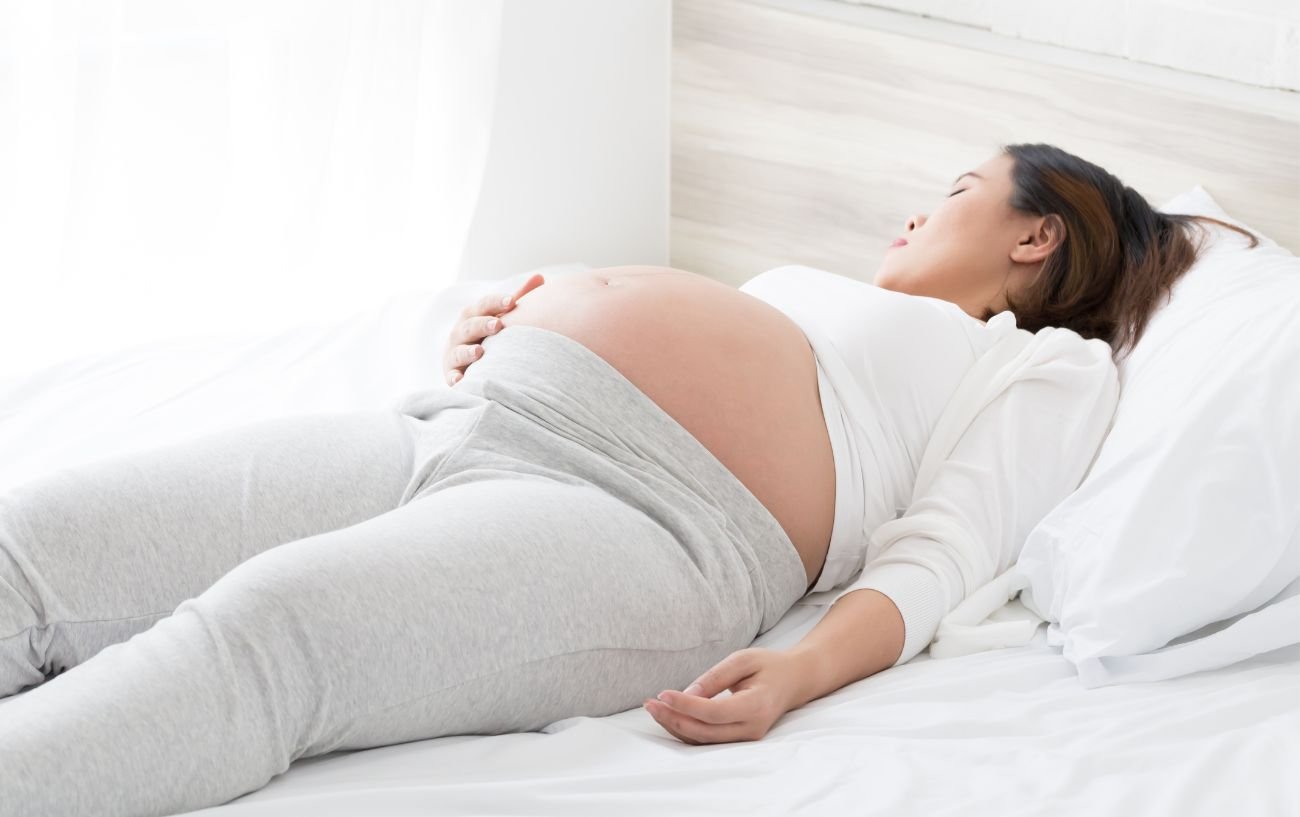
(941, 467)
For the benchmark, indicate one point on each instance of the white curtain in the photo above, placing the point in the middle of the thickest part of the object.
(182, 167)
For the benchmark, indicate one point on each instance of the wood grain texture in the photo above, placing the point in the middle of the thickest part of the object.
(800, 139)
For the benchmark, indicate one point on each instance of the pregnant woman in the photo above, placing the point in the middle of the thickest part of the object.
(634, 476)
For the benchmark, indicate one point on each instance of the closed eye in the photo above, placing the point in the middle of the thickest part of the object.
(955, 192)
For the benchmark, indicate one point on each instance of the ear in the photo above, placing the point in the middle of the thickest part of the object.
(1043, 235)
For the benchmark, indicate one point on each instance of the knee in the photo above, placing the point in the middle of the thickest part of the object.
(274, 616)
(259, 604)
(252, 633)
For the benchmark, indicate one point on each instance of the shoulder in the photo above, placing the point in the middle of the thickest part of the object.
(1069, 351)
(1051, 344)
(1067, 374)
(898, 313)
(1049, 374)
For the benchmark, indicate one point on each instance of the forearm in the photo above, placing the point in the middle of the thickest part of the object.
(861, 634)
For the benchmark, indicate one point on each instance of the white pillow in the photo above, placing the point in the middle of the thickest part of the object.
(1180, 550)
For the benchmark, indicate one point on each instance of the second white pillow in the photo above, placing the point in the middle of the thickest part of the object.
(1187, 521)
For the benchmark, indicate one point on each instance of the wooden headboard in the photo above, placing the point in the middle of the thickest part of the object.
(806, 131)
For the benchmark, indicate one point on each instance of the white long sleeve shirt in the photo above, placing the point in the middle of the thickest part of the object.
(951, 437)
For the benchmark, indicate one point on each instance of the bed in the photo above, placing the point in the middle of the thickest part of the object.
(1007, 731)
(757, 184)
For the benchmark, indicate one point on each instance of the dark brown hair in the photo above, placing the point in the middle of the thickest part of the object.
(1118, 255)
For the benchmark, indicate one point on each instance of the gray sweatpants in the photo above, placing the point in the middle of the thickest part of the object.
(538, 542)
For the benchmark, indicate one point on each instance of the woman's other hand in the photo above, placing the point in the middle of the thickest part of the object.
(764, 686)
(477, 321)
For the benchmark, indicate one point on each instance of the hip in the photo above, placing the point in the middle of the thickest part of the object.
(540, 402)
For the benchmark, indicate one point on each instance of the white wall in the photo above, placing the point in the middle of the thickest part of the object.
(1251, 41)
(578, 167)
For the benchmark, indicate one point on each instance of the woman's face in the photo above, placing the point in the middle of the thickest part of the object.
(973, 247)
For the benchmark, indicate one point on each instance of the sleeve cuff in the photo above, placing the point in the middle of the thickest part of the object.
(915, 591)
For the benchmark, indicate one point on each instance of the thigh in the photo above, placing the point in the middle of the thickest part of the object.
(495, 605)
(540, 600)
(91, 554)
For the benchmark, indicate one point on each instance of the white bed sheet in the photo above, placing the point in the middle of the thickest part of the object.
(1007, 732)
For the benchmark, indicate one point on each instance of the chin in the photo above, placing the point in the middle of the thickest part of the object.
(884, 279)
(891, 281)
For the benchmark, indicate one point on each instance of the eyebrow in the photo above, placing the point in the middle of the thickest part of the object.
(967, 173)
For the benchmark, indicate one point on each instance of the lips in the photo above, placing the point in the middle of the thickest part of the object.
(898, 242)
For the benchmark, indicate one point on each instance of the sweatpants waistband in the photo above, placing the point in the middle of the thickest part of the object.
(558, 382)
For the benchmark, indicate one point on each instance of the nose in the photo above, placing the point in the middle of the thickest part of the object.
(915, 221)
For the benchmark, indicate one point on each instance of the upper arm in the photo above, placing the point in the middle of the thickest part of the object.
(999, 461)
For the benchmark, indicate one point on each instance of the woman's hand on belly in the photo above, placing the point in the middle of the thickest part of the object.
(477, 321)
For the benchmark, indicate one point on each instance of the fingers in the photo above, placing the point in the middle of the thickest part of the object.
(696, 732)
(726, 673)
(707, 710)
(493, 303)
(458, 358)
(473, 329)
(464, 346)
(466, 354)
(477, 321)
(698, 717)
(533, 282)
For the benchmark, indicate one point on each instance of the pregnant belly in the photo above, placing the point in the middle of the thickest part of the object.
(734, 371)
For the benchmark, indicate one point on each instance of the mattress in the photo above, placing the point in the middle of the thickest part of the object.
(1007, 732)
